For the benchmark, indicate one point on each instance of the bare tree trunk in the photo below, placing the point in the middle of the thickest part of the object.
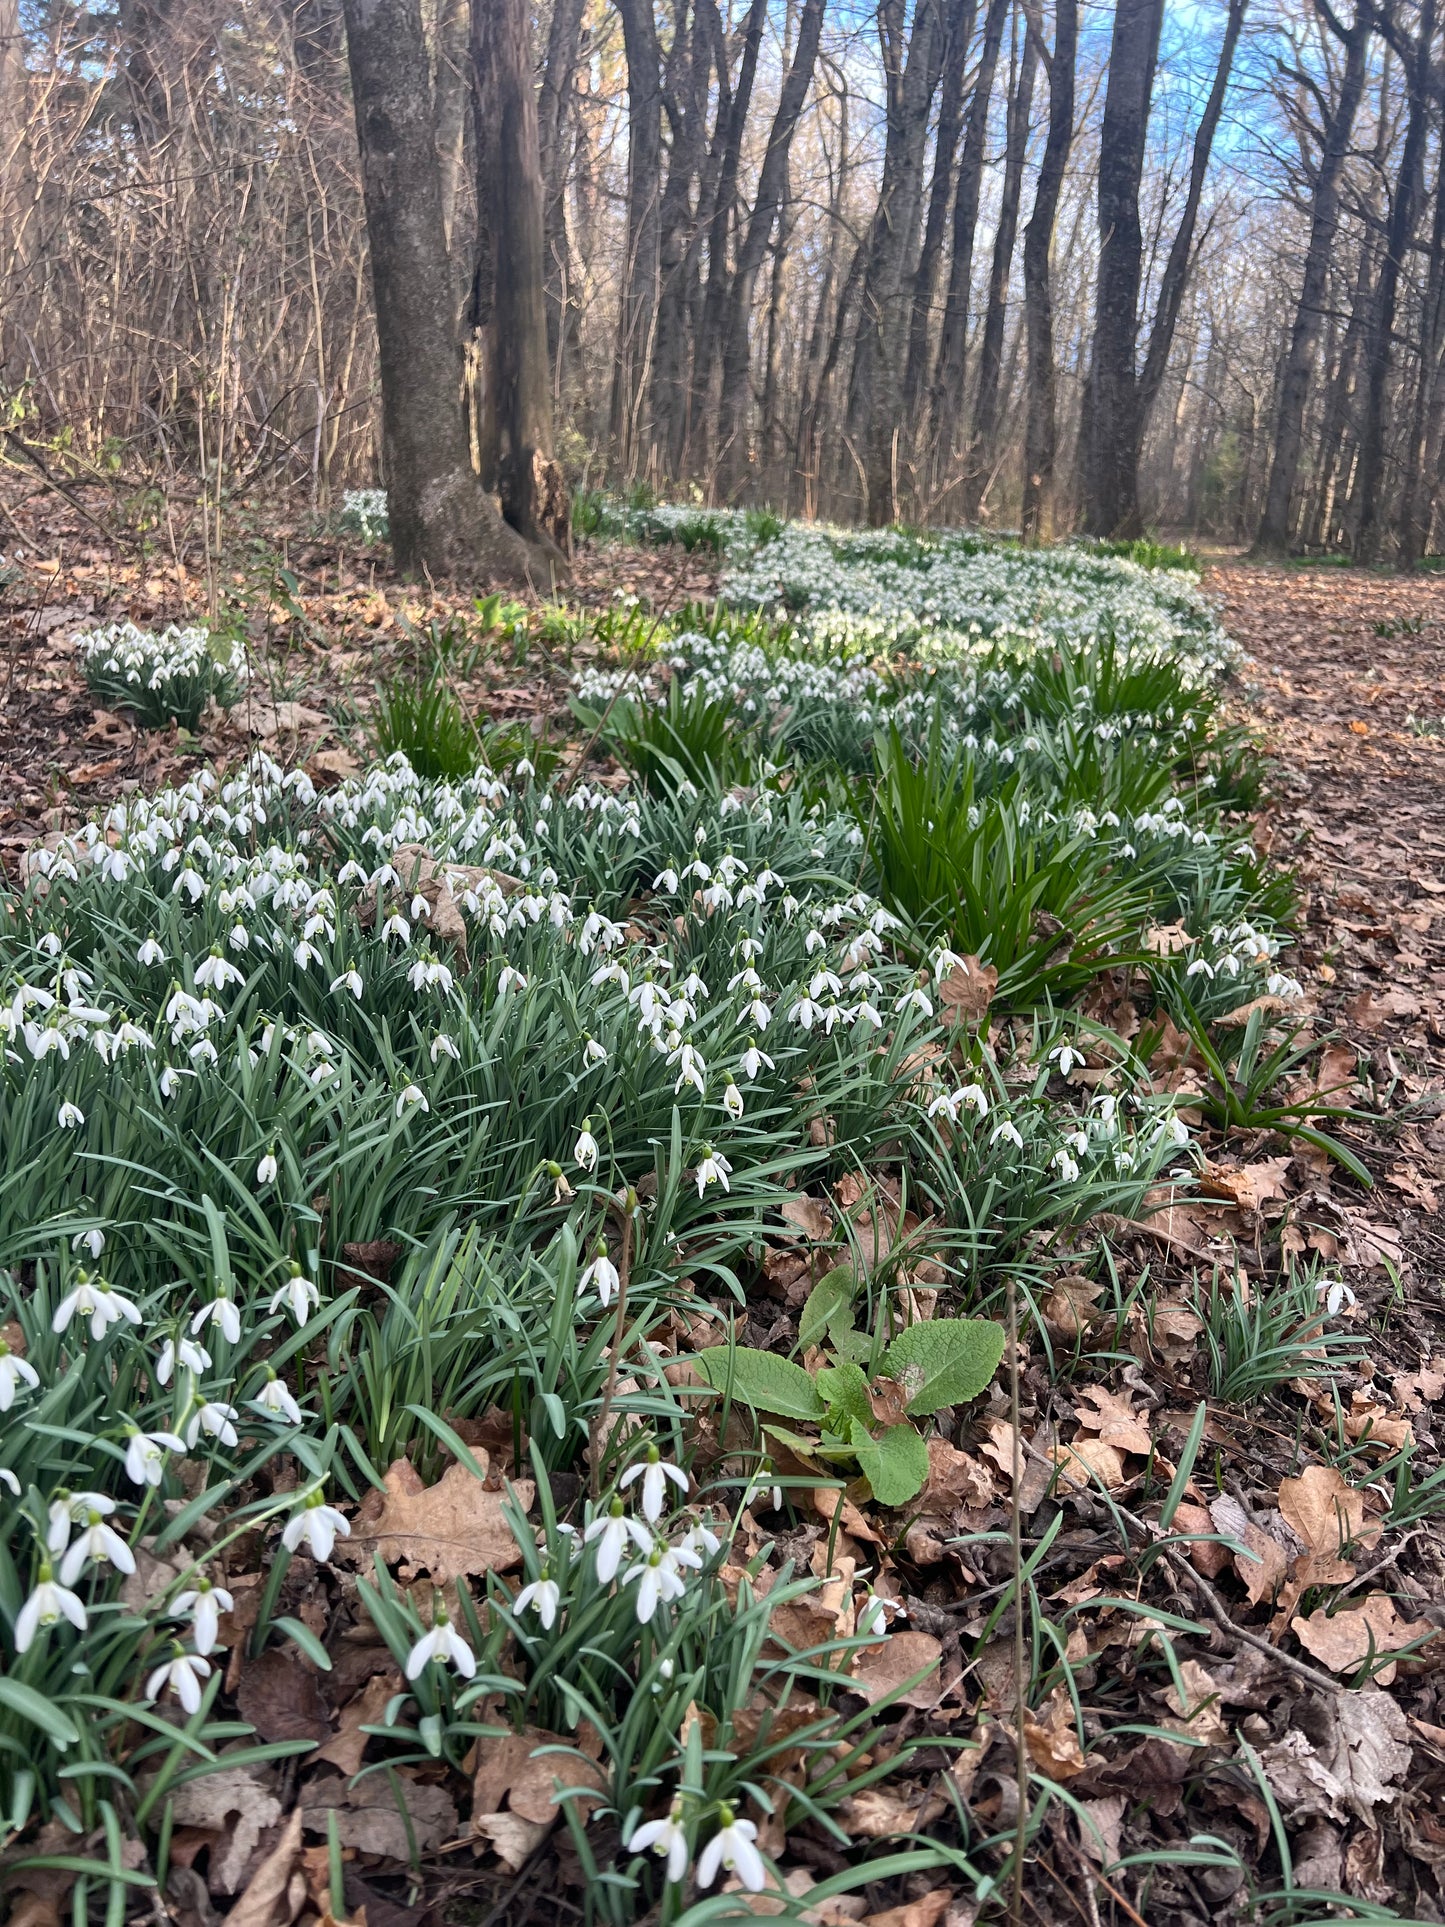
(638, 306)
(1416, 495)
(441, 519)
(450, 91)
(1276, 523)
(1041, 426)
(945, 412)
(983, 452)
(958, 32)
(1111, 415)
(554, 100)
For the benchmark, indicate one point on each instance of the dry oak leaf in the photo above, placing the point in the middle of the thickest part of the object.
(267, 1899)
(1196, 1710)
(1248, 1187)
(1206, 1555)
(239, 1803)
(447, 1530)
(1052, 1738)
(281, 1698)
(810, 1215)
(1344, 1640)
(1036, 1460)
(1356, 1761)
(347, 1747)
(877, 1670)
(1069, 1309)
(966, 992)
(1377, 1425)
(367, 1816)
(954, 1478)
(1114, 1419)
(1088, 1461)
(926, 1911)
(1327, 1513)
(878, 1812)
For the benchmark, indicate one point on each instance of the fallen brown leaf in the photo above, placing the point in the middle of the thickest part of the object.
(447, 1530)
(266, 1900)
(1327, 1513)
(966, 992)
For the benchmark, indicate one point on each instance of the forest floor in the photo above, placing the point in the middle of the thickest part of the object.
(1345, 682)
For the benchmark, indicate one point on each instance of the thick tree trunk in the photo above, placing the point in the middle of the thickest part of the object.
(946, 402)
(983, 449)
(1276, 523)
(531, 484)
(1111, 412)
(958, 32)
(441, 519)
(1041, 426)
(1416, 496)
(638, 307)
(554, 121)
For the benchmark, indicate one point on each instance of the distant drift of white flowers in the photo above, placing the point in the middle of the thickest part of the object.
(149, 659)
(364, 511)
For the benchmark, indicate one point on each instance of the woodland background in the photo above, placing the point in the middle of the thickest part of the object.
(1015, 261)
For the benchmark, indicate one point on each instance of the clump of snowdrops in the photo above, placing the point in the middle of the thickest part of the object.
(165, 677)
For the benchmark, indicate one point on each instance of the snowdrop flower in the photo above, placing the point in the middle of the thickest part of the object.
(170, 1079)
(429, 973)
(1065, 1165)
(544, 1596)
(216, 1421)
(442, 1646)
(915, 999)
(350, 979)
(267, 1168)
(510, 979)
(68, 1509)
(714, 1168)
(98, 1544)
(443, 1045)
(1009, 1130)
(666, 880)
(93, 1240)
(1337, 1297)
(205, 1603)
(69, 1116)
(150, 954)
(732, 1100)
(732, 1847)
(1065, 1056)
(585, 1151)
(184, 1352)
(659, 1578)
(93, 1299)
(48, 1603)
(145, 1456)
(215, 973)
(603, 1274)
(805, 1013)
(654, 1472)
(182, 1674)
(612, 1530)
(397, 926)
(221, 1311)
(319, 1524)
(14, 1370)
(593, 1052)
(276, 1401)
(666, 1838)
(299, 1295)
(408, 1096)
(753, 1059)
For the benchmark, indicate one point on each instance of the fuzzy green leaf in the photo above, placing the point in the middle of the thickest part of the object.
(895, 1464)
(762, 1380)
(845, 1388)
(828, 1308)
(945, 1361)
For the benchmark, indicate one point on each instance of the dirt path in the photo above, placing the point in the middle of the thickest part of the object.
(1348, 680)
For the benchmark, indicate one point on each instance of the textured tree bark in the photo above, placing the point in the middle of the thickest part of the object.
(1417, 498)
(531, 484)
(982, 452)
(1399, 236)
(441, 519)
(959, 17)
(1111, 405)
(1041, 424)
(638, 306)
(450, 89)
(684, 97)
(946, 403)
(554, 101)
(1276, 524)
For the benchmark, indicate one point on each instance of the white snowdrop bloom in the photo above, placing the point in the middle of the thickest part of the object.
(612, 1532)
(732, 1099)
(350, 979)
(713, 1169)
(170, 1079)
(306, 954)
(203, 1051)
(593, 1053)
(654, 1472)
(184, 1352)
(267, 1168)
(753, 1060)
(14, 1371)
(397, 926)
(691, 1069)
(68, 1509)
(602, 1274)
(299, 1296)
(945, 1105)
(659, 1578)
(586, 1151)
(69, 1116)
(430, 973)
(510, 979)
(444, 1045)
(408, 1097)
(319, 1524)
(276, 1401)
(220, 1311)
(666, 880)
(805, 1013)
(1200, 967)
(915, 999)
(442, 1646)
(203, 1603)
(47, 1604)
(239, 938)
(181, 1675)
(667, 1838)
(215, 973)
(145, 1456)
(1007, 1129)
(92, 1298)
(543, 1596)
(216, 1420)
(815, 940)
(1066, 1056)
(150, 954)
(1065, 1165)
(96, 1543)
